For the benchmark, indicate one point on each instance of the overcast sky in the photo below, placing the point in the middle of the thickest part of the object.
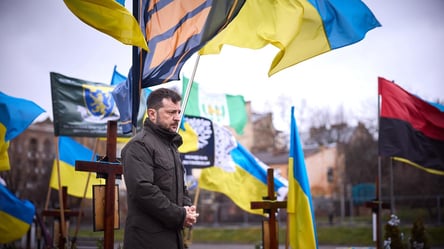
(43, 36)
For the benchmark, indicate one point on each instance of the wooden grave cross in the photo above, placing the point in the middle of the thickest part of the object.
(57, 213)
(270, 206)
(108, 168)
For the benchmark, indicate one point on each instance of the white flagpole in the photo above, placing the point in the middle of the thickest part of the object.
(187, 92)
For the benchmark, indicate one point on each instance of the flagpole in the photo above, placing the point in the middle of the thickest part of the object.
(82, 202)
(287, 235)
(61, 204)
(189, 237)
(187, 91)
(135, 75)
(392, 188)
(378, 222)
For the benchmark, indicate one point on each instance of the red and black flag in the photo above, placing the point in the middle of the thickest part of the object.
(411, 130)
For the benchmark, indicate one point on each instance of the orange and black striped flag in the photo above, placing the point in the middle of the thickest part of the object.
(411, 130)
(176, 29)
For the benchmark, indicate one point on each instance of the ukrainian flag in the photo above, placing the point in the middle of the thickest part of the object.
(300, 29)
(243, 179)
(71, 151)
(16, 216)
(301, 219)
(111, 18)
(16, 115)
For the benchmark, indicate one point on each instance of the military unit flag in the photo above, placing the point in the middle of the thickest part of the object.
(82, 108)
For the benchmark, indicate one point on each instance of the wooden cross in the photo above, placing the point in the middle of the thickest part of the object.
(270, 206)
(56, 213)
(108, 168)
(375, 206)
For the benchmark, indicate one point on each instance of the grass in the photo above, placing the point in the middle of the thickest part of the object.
(327, 235)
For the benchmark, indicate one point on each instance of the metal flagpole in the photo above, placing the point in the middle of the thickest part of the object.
(378, 229)
(136, 72)
(187, 92)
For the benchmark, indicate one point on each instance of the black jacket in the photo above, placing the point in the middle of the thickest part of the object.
(156, 192)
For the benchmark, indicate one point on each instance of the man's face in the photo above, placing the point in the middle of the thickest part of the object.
(168, 116)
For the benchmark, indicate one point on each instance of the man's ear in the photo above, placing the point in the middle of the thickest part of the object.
(151, 114)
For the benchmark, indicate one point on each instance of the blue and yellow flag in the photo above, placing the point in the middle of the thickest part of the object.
(16, 115)
(301, 219)
(111, 18)
(16, 216)
(238, 174)
(71, 151)
(300, 29)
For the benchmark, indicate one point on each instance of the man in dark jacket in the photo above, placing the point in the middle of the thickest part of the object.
(158, 203)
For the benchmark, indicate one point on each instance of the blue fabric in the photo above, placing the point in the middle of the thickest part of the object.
(17, 114)
(342, 27)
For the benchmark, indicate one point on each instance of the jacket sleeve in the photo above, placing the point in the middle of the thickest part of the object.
(139, 178)
(186, 197)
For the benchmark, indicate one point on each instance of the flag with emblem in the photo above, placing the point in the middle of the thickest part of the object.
(224, 109)
(197, 150)
(237, 173)
(82, 108)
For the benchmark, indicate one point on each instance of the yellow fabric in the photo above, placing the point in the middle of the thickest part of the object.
(74, 180)
(4, 145)
(111, 18)
(11, 228)
(293, 26)
(240, 186)
(300, 225)
(431, 171)
(190, 139)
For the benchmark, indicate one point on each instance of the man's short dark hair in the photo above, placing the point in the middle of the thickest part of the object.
(155, 98)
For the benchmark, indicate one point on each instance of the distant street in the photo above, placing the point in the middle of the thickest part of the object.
(237, 246)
